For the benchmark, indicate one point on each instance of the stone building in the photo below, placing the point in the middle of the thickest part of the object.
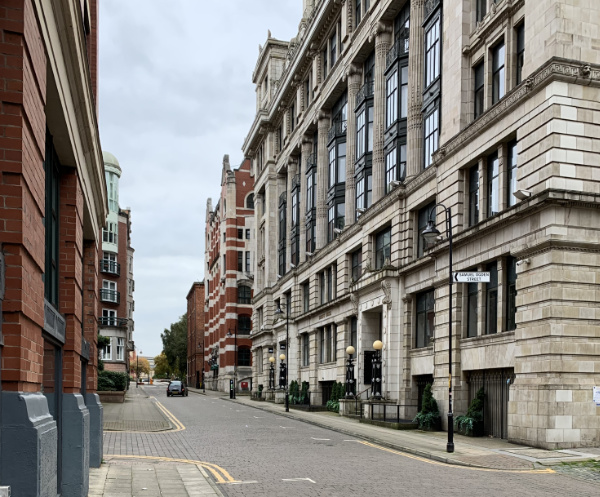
(53, 205)
(196, 367)
(380, 116)
(228, 279)
(116, 285)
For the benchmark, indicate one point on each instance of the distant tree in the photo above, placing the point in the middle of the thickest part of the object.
(161, 366)
(144, 366)
(175, 346)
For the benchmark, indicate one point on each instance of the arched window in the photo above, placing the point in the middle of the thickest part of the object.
(244, 357)
(244, 295)
(250, 201)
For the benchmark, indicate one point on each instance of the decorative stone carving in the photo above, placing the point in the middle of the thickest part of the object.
(386, 286)
(354, 302)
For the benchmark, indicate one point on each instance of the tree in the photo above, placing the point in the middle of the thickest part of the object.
(161, 366)
(144, 366)
(175, 346)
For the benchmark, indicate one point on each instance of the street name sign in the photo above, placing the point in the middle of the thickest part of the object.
(471, 276)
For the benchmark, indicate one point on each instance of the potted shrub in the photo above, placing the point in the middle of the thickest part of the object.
(471, 423)
(428, 418)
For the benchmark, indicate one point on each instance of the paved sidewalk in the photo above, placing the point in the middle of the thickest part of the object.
(139, 412)
(143, 476)
(481, 452)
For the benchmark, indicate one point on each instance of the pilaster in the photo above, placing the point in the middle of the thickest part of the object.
(323, 128)
(415, 85)
(354, 75)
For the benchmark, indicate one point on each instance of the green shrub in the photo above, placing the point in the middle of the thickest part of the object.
(468, 423)
(428, 417)
(111, 381)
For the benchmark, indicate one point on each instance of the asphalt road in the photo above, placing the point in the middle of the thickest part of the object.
(254, 453)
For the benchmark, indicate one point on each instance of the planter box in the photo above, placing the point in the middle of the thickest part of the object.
(112, 397)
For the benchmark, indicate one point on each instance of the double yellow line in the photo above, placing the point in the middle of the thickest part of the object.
(172, 419)
(221, 475)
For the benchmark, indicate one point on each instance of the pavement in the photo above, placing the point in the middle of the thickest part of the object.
(177, 477)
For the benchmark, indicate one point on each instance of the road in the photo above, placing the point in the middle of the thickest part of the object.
(254, 453)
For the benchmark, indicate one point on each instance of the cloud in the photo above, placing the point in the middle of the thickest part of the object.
(176, 94)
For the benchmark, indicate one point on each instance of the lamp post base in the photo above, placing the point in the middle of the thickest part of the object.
(287, 402)
(450, 444)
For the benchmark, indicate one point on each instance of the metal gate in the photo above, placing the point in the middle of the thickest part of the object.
(496, 385)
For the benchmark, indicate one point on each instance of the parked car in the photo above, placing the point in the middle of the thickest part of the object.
(176, 388)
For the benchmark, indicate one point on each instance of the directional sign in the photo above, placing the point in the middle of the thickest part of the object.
(471, 277)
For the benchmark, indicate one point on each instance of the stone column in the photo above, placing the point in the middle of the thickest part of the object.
(354, 75)
(415, 85)
(383, 39)
(306, 151)
(321, 231)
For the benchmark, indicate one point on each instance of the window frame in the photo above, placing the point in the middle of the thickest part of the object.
(491, 300)
(493, 184)
(424, 306)
(479, 89)
(498, 71)
(380, 247)
(473, 173)
(511, 172)
(244, 297)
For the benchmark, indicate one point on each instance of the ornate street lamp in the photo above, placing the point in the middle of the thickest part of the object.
(287, 346)
(283, 380)
(272, 373)
(350, 383)
(376, 380)
(430, 233)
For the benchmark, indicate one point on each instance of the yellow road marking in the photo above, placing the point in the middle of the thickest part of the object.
(438, 463)
(220, 474)
(178, 424)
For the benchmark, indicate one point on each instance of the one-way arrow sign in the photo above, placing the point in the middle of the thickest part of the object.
(471, 276)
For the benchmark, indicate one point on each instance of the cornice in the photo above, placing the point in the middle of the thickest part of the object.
(555, 69)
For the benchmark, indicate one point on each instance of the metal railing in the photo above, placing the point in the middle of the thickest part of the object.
(338, 129)
(296, 181)
(110, 321)
(111, 267)
(311, 161)
(367, 90)
(388, 413)
(399, 48)
(110, 296)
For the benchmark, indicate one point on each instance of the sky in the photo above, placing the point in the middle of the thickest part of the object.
(175, 96)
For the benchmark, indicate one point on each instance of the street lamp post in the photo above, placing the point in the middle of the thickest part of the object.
(376, 380)
(287, 349)
(350, 384)
(137, 373)
(234, 359)
(430, 233)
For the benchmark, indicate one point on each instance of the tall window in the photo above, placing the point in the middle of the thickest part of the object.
(498, 77)
(364, 191)
(333, 48)
(295, 248)
(424, 215)
(109, 291)
(390, 169)
(479, 90)
(432, 53)
(491, 304)
(306, 296)
(248, 268)
(244, 325)
(305, 350)
(244, 295)
(356, 259)
(471, 310)
(512, 173)
(107, 351)
(431, 136)
(244, 357)
(425, 318)
(481, 9)
(360, 133)
(357, 11)
(493, 184)
(113, 191)
(240, 262)
(474, 195)
(120, 349)
(520, 32)
(250, 201)
(391, 99)
(354, 332)
(324, 57)
(282, 233)
(310, 238)
(403, 92)
(310, 190)
(383, 246)
(511, 294)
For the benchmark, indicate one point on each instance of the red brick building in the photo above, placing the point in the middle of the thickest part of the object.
(196, 366)
(229, 276)
(53, 205)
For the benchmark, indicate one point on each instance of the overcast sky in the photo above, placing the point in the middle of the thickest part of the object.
(176, 94)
